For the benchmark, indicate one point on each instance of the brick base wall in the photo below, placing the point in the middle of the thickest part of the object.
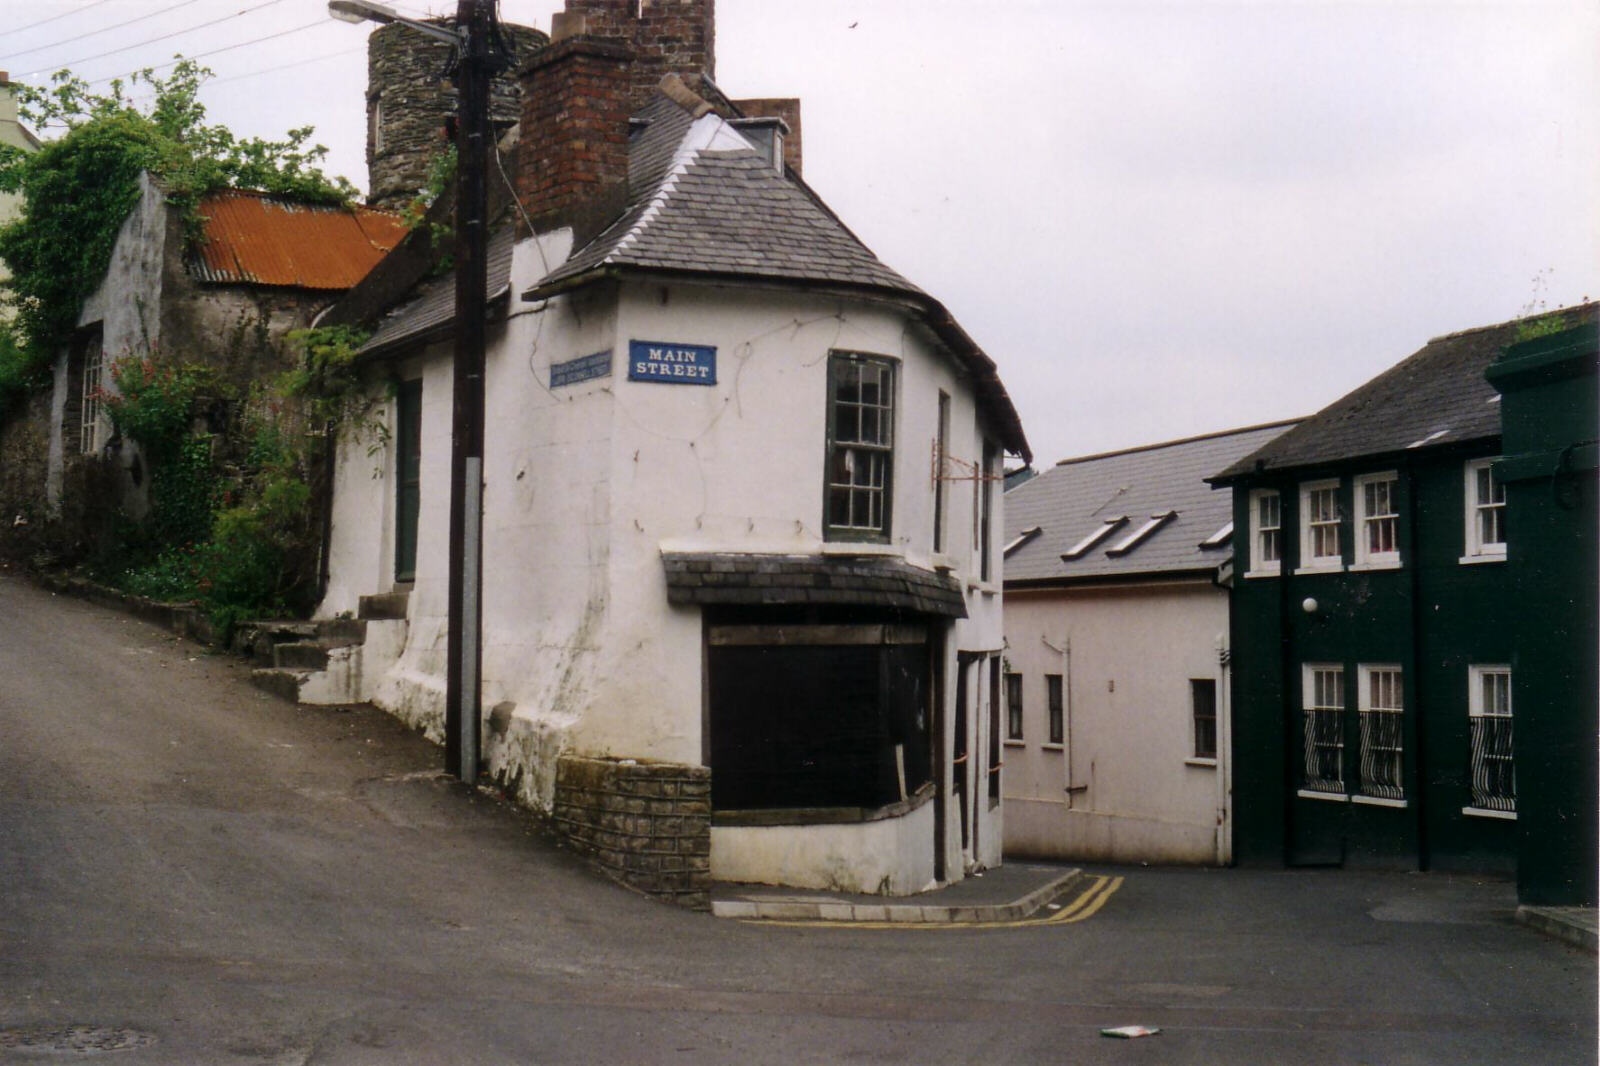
(644, 824)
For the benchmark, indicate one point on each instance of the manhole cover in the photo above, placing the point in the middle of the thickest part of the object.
(83, 1039)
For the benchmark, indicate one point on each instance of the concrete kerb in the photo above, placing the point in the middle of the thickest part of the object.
(1574, 925)
(821, 908)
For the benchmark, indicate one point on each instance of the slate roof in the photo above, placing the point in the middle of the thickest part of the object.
(1438, 396)
(430, 308)
(736, 578)
(252, 238)
(1076, 497)
(705, 201)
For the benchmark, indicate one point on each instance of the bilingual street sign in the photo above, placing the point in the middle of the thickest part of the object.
(583, 368)
(672, 364)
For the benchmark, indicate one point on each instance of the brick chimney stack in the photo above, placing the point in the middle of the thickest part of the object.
(604, 60)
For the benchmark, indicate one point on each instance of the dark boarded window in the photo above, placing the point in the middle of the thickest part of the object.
(812, 716)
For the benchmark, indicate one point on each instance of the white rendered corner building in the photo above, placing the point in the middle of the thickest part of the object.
(742, 500)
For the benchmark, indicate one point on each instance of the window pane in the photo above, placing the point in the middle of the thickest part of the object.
(1052, 684)
(1203, 697)
(1014, 706)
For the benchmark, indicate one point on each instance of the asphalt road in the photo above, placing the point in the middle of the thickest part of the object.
(192, 871)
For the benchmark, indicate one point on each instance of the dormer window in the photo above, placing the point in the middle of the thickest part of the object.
(766, 135)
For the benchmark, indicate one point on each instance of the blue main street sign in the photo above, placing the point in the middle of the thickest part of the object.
(672, 364)
(583, 368)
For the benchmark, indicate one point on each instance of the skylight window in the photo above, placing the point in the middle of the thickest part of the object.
(1138, 536)
(1021, 539)
(1111, 525)
(1429, 439)
(1219, 538)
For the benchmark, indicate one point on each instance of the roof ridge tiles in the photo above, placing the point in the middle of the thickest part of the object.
(1215, 435)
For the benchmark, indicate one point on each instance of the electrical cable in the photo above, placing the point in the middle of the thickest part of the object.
(53, 18)
(103, 29)
(284, 66)
(180, 33)
(230, 48)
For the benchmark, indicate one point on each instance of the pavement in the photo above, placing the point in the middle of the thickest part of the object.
(1014, 892)
(1574, 925)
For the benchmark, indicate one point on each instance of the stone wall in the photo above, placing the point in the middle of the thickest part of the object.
(644, 824)
(409, 99)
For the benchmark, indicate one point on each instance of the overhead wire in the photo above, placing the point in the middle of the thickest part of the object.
(180, 33)
(54, 18)
(228, 48)
(284, 66)
(103, 29)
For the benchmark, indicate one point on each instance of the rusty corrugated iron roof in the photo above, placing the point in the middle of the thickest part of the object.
(252, 238)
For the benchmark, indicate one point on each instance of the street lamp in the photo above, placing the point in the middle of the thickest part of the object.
(358, 11)
(481, 53)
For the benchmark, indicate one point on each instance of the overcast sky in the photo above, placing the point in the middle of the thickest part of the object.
(1160, 219)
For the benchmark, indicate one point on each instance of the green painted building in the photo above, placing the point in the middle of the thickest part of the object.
(1550, 413)
(1381, 633)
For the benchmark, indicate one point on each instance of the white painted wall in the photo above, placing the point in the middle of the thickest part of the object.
(1133, 650)
(586, 485)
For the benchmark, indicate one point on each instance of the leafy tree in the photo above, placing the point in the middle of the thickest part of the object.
(77, 190)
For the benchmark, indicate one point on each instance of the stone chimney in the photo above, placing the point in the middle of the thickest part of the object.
(409, 99)
(605, 59)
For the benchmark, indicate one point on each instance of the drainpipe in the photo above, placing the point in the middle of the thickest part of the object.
(1224, 752)
(1414, 572)
(328, 448)
(1065, 651)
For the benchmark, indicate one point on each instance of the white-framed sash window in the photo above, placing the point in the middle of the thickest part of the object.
(1493, 775)
(1319, 526)
(1382, 710)
(1266, 533)
(1323, 730)
(1485, 517)
(1377, 525)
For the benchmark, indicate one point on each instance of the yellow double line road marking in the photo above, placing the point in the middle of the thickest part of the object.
(1086, 905)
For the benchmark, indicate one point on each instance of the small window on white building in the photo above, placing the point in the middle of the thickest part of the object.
(1053, 698)
(93, 373)
(1203, 703)
(1266, 533)
(1323, 703)
(1319, 526)
(1493, 774)
(1377, 520)
(1485, 514)
(1382, 709)
(1013, 706)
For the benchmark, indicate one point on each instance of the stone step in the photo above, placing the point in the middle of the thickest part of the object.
(300, 655)
(338, 631)
(384, 605)
(283, 683)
